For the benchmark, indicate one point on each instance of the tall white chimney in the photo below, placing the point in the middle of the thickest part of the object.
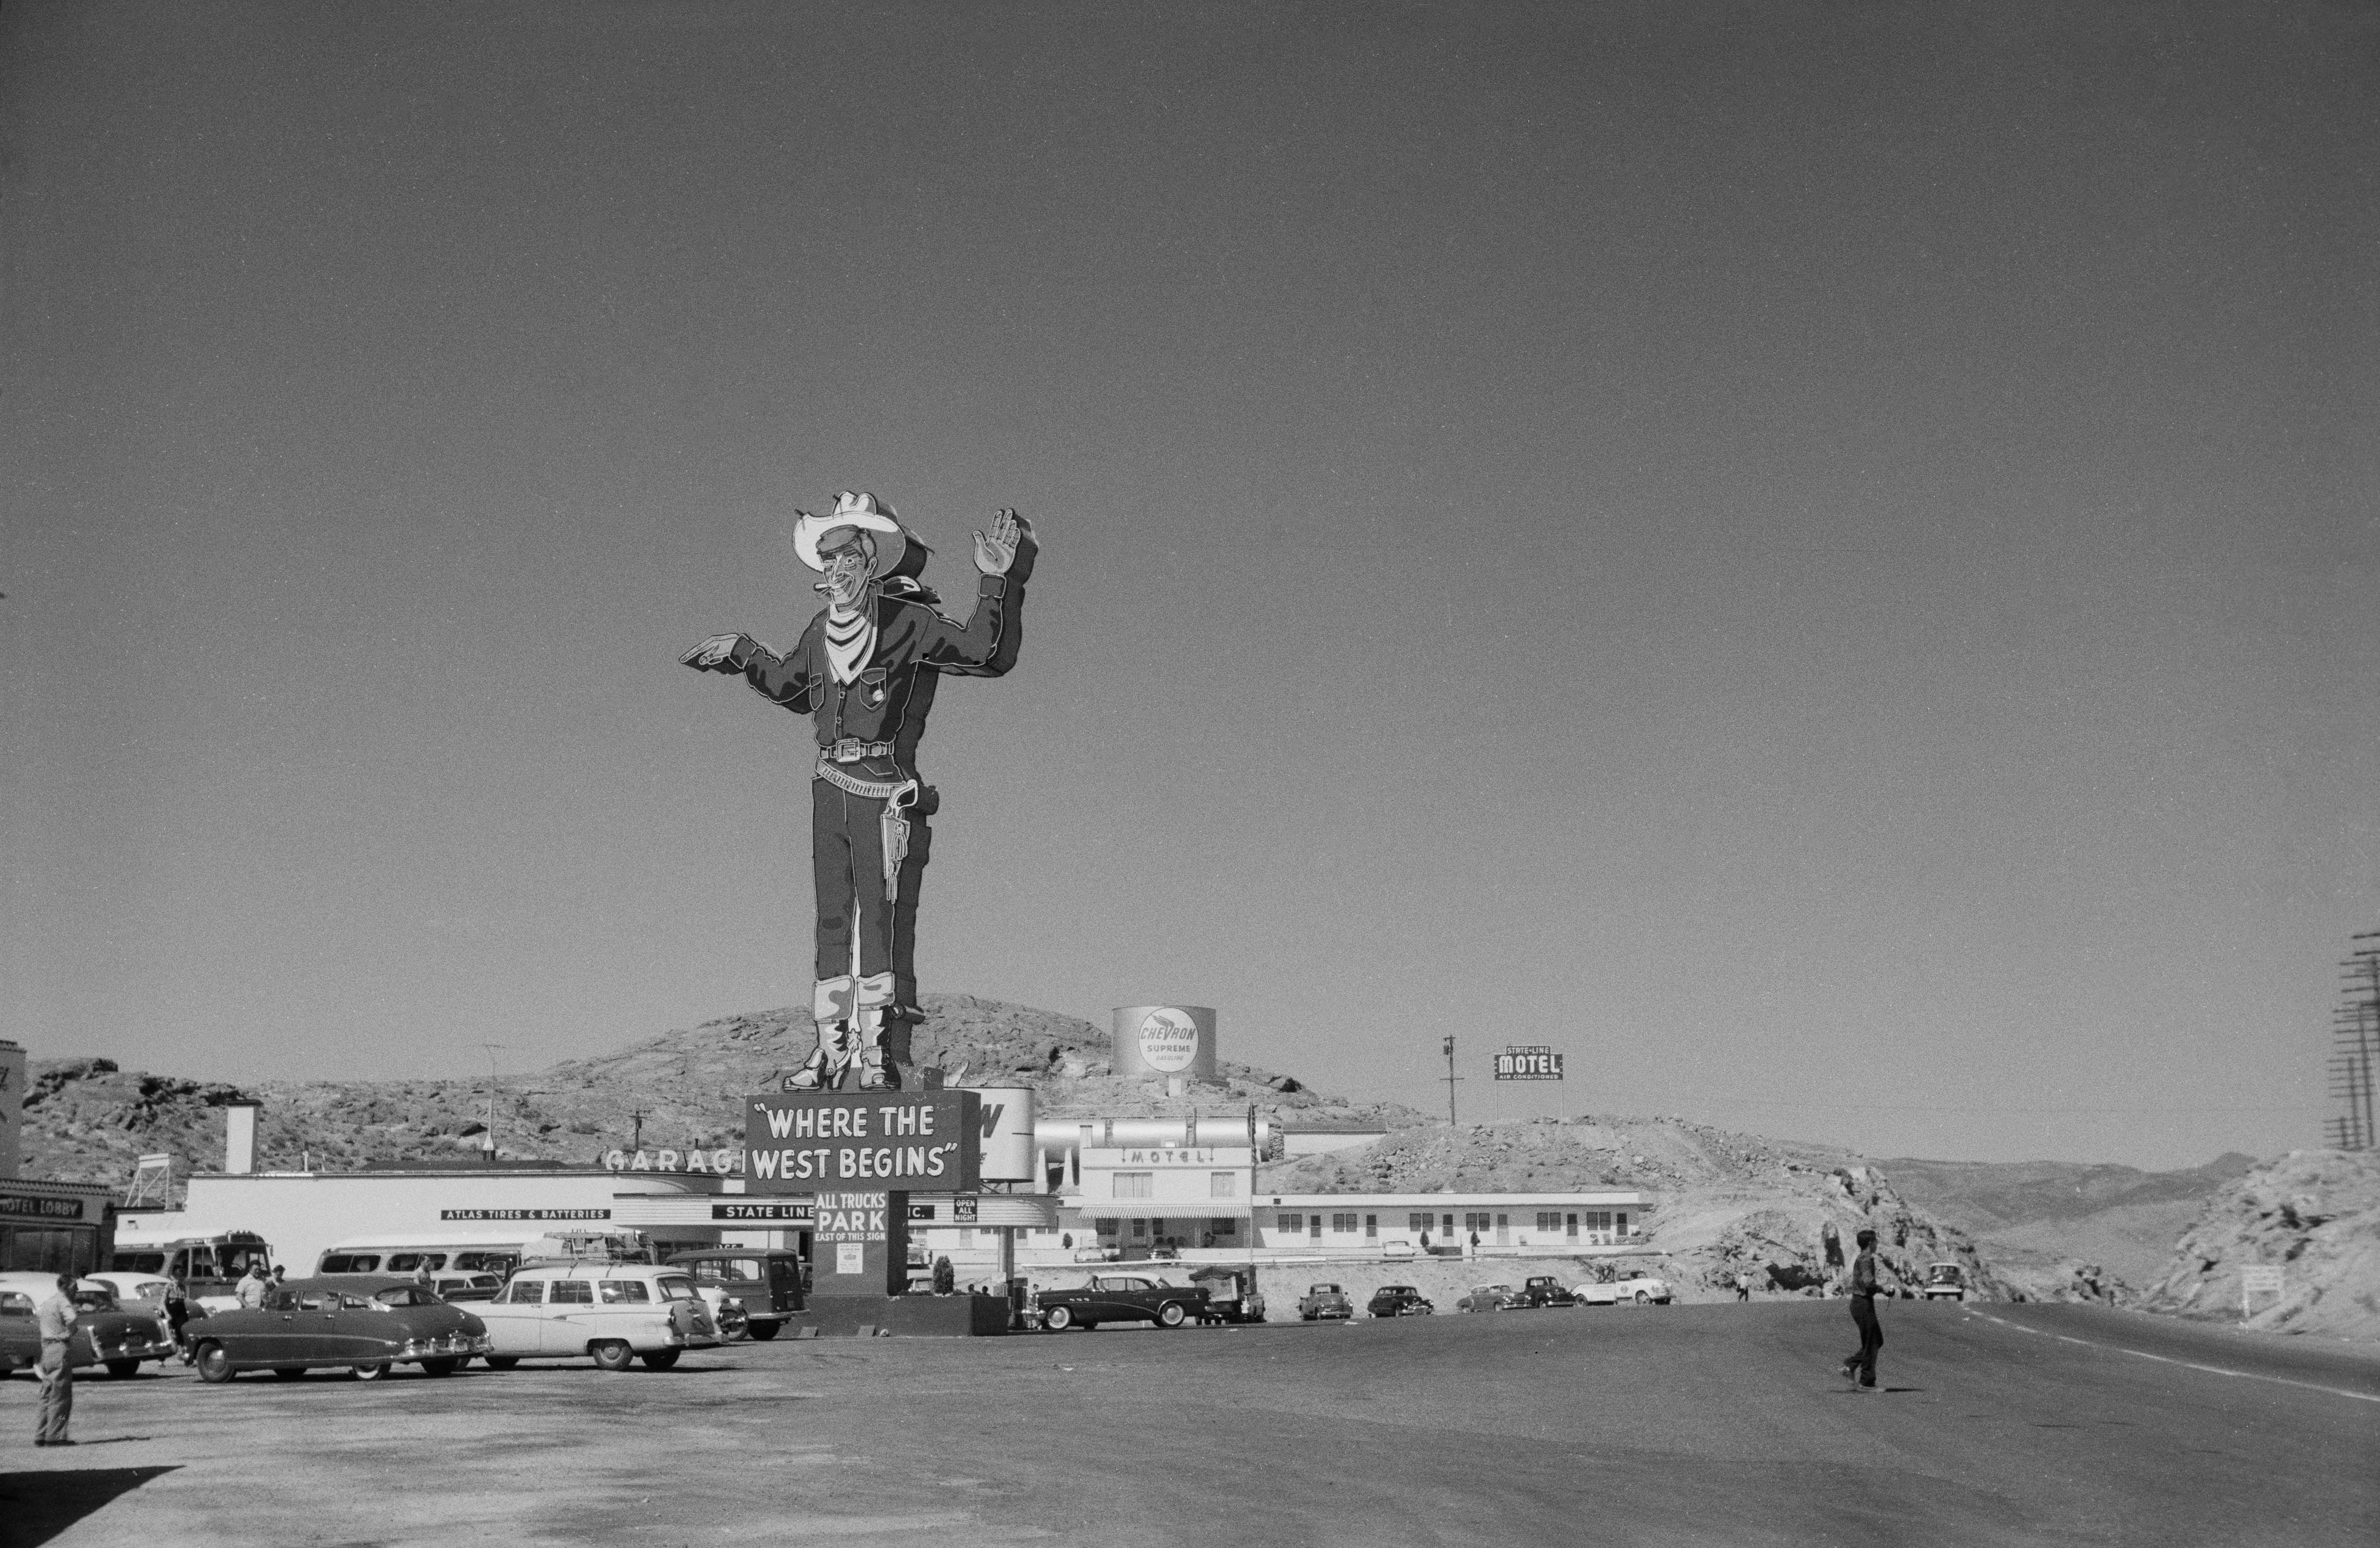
(239, 1136)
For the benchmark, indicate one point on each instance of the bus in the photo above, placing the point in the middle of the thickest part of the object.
(212, 1263)
(439, 1251)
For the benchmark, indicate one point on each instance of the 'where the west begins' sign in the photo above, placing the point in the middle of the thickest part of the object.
(813, 1141)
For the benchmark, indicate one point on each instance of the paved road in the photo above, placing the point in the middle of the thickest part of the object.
(1669, 1426)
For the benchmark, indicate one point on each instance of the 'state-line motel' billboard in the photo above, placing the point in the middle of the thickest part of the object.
(1528, 1063)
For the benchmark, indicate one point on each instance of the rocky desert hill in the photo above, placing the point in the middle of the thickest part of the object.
(2068, 1230)
(1726, 1203)
(2313, 1213)
(88, 1120)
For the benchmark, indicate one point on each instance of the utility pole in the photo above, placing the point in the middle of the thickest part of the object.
(488, 1147)
(1450, 1078)
(637, 1118)
(2355, 1046)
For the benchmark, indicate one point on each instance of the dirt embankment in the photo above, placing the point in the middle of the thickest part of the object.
(1723, 1203)
(2313, 1214)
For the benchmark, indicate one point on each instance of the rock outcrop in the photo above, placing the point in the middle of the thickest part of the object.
(2315, 1215)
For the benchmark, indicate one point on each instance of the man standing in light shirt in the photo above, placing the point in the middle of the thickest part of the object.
(252, 1287)
(57, 1318)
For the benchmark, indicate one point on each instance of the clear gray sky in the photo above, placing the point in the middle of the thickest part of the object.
(1819, 558)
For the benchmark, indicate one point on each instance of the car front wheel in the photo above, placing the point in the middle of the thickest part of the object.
(612, 1355)
(660, 1360)
(500, 1363)
(214, 1366)
(439, 1367)
(1171, 1314)
(370, 1372)
(1058, 1319)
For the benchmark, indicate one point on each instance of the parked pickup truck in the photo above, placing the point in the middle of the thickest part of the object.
(1232, 1294)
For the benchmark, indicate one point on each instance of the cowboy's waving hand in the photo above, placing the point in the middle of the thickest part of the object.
(996, 552)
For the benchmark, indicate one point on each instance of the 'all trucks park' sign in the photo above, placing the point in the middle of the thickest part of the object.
(816, 1142)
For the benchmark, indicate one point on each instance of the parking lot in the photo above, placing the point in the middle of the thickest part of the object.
(1697, 1424)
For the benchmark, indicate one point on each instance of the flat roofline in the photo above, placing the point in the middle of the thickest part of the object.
(465, 1171)
(1401, 1201)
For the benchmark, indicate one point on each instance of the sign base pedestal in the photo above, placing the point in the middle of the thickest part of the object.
(959, 1316)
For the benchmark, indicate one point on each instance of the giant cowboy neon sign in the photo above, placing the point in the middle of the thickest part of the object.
(866, 669)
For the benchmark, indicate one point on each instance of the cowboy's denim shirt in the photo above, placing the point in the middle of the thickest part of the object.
(890, 698)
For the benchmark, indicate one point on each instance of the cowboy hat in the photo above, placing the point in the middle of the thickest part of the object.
(898, 550)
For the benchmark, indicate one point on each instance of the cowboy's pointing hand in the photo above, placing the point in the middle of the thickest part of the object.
(996, 551)
(712, 653)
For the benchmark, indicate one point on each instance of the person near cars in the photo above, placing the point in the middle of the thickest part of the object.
(177, 1306)
(55, 1318)
(253, 1285)
(1860, 1366)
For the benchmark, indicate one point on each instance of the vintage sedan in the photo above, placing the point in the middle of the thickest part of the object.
(612, 1313)
(1398, 1300)
(1321, 1302)
(1490, 1298)
(1121, 1298)
(1635, 1286)
(1545, 1290)
(364, 1324)
(1946, 1281)
(105, 1333)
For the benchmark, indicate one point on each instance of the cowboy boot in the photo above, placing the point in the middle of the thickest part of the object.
(831, 1009)
(875, 1002)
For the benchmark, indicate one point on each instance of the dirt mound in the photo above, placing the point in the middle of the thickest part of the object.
(1725, 1203)
(88, 1121)
(2313, 1213)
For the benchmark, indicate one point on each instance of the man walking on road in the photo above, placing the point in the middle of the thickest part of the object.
(55, 1318)
(1861, 1366)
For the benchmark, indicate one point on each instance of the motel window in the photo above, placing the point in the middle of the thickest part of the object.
(1139, 1229)
(1224, 1225)
(1371, 1227)
(1222, 1185)
(1344, 1225)
(1572, 1229)
(1314, 1226)
(1290, 1225)
(1421, 1223)
(1623, 1226)
(1549, 1221)
(573, 1292)
(1598, 1220)
(1475, 1220)
(1136, 1185)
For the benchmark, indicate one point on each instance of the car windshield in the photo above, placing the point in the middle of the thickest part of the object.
(15, 1304)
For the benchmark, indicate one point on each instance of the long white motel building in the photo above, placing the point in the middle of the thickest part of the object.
(1093, 1191)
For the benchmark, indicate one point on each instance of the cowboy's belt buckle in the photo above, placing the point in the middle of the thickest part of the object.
(848, 749)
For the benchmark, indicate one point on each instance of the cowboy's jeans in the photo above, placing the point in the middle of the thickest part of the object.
(847, 861)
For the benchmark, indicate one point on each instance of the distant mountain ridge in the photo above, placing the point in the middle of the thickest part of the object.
(2059, 1228)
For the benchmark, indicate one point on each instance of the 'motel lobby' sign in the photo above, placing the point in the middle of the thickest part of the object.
(901, 1141)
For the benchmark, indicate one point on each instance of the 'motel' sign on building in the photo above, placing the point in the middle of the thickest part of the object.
(901, 1141)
